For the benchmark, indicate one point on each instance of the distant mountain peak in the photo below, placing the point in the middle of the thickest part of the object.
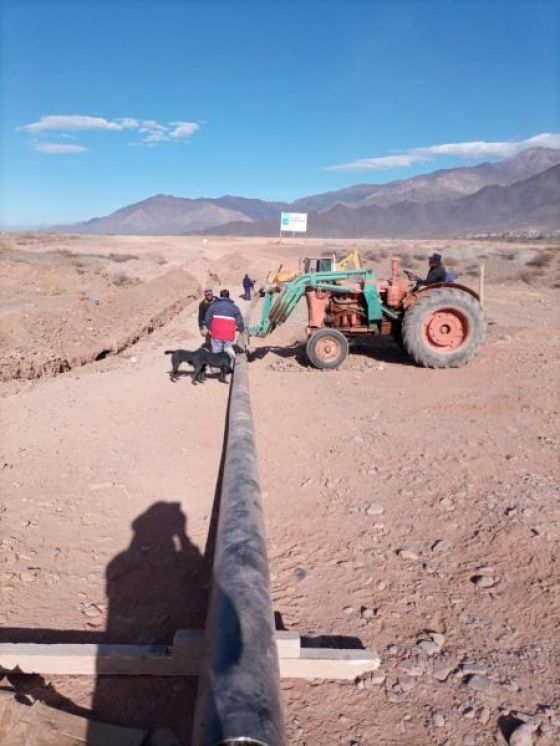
(400, 207)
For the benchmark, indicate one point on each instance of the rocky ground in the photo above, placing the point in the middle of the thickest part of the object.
(410, 511)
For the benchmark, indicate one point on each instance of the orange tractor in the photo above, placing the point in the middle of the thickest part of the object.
(440, 326)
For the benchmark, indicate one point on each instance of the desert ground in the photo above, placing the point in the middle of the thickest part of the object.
(413, 511)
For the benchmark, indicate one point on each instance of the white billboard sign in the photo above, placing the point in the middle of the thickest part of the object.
(294, 221)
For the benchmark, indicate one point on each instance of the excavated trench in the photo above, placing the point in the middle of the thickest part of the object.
(50, 344)
(28, 369)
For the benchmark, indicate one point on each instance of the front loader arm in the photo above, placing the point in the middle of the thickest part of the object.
(278, 305)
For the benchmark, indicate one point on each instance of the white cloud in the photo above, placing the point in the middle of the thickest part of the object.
(477, 149)
(544, 140)
(379, 164)
(153, 131)
(60, 125)
(67, 122)
(467, 150)
(182, 130)
(58, 148)
(127, 123)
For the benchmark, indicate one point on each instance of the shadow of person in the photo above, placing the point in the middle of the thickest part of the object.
(159, 584)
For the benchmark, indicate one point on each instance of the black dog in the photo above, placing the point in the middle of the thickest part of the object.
(199, 359)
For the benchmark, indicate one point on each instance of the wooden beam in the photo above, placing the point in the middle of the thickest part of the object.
(183, 658)
(329, 663)
(189, 643)
(128, 660)
(288, 644)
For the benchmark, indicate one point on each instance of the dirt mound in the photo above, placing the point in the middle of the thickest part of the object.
(80, 330)
(230, 268)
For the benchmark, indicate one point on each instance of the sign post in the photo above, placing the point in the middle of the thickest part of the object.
(293, 222)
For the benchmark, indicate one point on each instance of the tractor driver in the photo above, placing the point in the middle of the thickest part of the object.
(436, 272)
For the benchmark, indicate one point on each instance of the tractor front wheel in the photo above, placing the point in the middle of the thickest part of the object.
(444, 328)
(327, 349)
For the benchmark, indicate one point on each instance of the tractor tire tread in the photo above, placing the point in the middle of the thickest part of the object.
(322, 364)
(422, 352)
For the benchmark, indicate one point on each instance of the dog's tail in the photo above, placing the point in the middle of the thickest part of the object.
(169, 352)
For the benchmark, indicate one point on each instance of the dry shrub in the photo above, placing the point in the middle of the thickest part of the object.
(121, 279)
(121, 257)
(62, 252)
(528, 277)
(451, 262)
(406, 258)
(370, 256)
(83, 255)
(472, 270)
(541, 260)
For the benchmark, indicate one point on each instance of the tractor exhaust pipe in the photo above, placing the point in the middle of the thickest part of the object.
(239, 697)
(394, 291)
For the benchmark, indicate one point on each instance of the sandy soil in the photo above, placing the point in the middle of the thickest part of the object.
(419, 516)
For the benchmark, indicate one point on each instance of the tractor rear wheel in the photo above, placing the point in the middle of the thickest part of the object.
(327, 349)
(444, 328)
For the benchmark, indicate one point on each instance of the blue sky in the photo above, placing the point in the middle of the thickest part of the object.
(107, 102)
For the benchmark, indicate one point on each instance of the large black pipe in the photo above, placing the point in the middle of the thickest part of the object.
(239, 696)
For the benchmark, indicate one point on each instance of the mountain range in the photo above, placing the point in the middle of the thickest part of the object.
(521, 193)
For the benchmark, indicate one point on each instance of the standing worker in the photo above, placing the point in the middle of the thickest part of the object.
(248, 285)
(203, 307)
(223, 318)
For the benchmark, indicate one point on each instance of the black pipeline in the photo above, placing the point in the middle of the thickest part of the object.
(239, 697)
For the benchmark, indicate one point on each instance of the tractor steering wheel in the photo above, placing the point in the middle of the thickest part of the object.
(411, 275)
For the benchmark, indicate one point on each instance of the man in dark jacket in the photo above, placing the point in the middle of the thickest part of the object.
(248, 285)
(223, 318)
(203, 306)
(436, 273)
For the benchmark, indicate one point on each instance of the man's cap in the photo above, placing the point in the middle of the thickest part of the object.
(208, 290)
(435, 258)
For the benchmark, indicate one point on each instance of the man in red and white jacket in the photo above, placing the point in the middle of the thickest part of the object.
(223, 319)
